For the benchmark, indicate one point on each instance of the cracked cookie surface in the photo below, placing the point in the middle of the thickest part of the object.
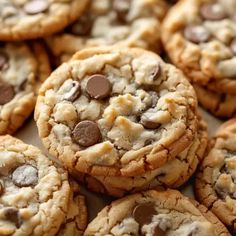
(34, 194)
(215, 183)
(203, 43)
(30, 19)
(153, 213)
(23, 67)
(133, 23)
(142, 116)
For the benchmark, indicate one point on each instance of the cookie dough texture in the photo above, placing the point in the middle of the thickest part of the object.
(148, 117)
(134, 23)
(23, 67)
(30, 19)
(156, 213)
(215, 185)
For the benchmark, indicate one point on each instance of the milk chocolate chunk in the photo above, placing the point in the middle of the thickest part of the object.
(7, 92)
(86, 133)
(36, 6)
(159, 232)
(98, 86)
(144, 212)
(74, 93)
(12, 214)
(212, 12)
(25, 176)
(147, 122)
(196, 33)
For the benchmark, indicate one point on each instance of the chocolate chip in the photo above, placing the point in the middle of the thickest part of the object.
(1, 188)
(86, 133)
(212, 12)
(196, 33)
(121, 8)
(3, 60)
(159, 232)
(144, 212)
(82, 26)
(36, 6)
(12, 214)
(25, 175)
(7, 92)
(233, 46)
(74, 93)
(98, 87)
(147, 122)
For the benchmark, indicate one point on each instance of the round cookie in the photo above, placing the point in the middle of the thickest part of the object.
(34, 194)
(203, 42)
(184, 165)
(155, 213)
(134, 23)
(30, 19)
(145, 118)
(23, 67)
(215, 185)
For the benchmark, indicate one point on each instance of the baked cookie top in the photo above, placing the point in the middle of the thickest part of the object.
(203, 42)
(23, 67)
(29, 19)
(153, 213)
(114, 111)
(34, 194)
(215, 184)
(128, 22)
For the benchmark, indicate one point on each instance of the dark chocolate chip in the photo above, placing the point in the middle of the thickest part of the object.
(121, 8)
(86, 133)
(98, 86)
(144, 212)
(159, 232)
(196, 33)
(12, 214)
(156, 72)
(1, 187)
(233, 46)
(25, 175)
(36, 6)
(3, 60)
(74, 93)
(212, 12)
(7, 92)
(82, 26)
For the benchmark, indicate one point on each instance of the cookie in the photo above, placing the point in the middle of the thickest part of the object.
(203, 42)
(30, 19)
(116, 112)
(23, 67)
(155, 213)
(184, 165)
(134, 23)
(34, 194)
(219, 104)
(215, 185)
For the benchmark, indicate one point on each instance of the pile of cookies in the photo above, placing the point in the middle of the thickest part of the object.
(116, 117)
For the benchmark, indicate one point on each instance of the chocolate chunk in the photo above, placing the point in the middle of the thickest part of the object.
(74, 93)
(36, 6)
(233, 46)
(3, 60)
(7, 92)
(1, 188)
(144, 212)
(196, 33)
(212, 12)
(121, 8)
(156, 72)
(159, 232)
(12, 214)
(147, 122)
(98, 87)
(24, 176)
(86, 133)
(82, 26)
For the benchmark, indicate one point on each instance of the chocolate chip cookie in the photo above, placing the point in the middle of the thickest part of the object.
(30, 19)
(133, 23)
(184, 165)
(34, 194)
(23, 67)
(215, 183)
(155, 213)
(142, 116)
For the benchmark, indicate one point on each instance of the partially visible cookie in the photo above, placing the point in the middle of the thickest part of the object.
(23, 67)
(155, 213)
(34, 194)
(134, 23)
(30, 19)
(215, 183)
